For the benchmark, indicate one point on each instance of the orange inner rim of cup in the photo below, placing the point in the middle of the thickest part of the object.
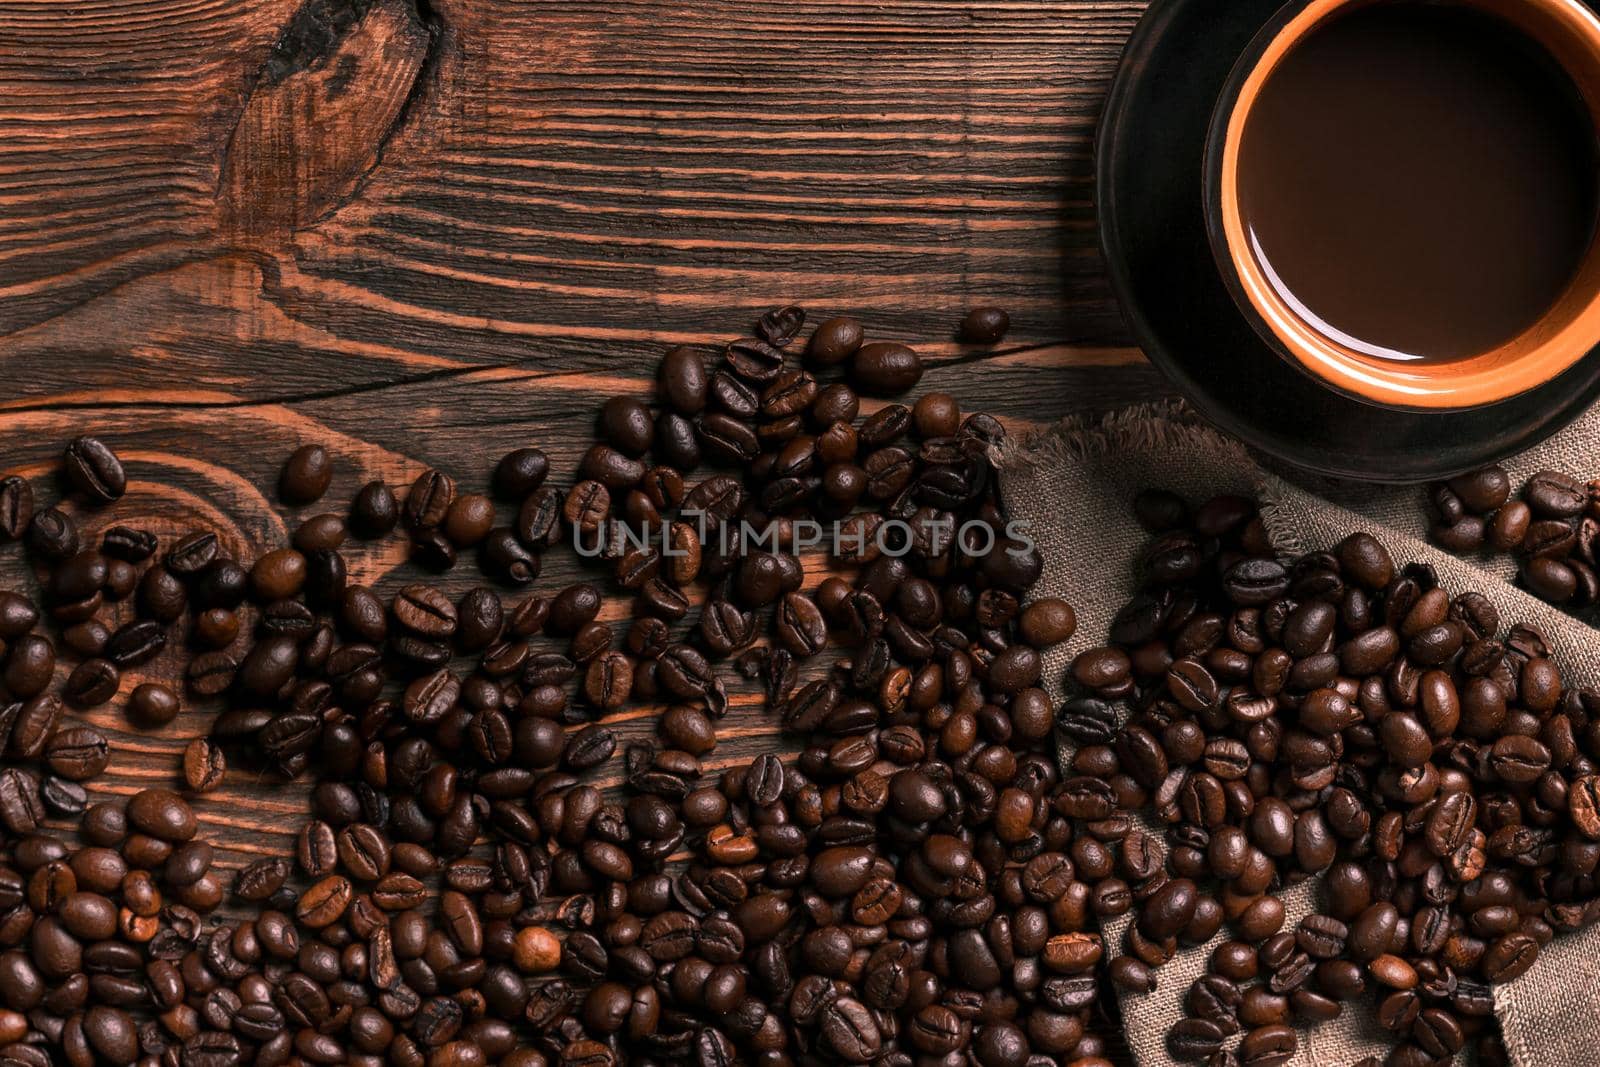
(1564, 335)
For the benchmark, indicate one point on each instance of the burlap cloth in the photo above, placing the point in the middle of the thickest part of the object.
(1075, 486)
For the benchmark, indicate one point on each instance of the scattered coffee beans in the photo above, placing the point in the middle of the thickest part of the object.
(460, 893)
(1551, 526)
(921, 883)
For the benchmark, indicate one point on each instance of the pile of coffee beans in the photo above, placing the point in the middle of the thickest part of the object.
(1551, 527)
(1335, 715)
(909, 886)
(911, 878)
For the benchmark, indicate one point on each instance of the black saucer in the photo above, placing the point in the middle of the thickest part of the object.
(1150, 154)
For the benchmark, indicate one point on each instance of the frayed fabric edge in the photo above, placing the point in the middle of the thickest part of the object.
(1516, 1043)
(1161, 424)
(1140, 427)
(1281, 533)
(1164, 424)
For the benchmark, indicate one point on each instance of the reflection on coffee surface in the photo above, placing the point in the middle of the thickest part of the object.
(1419, 182)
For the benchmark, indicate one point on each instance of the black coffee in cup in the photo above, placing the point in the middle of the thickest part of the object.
(1418, 182)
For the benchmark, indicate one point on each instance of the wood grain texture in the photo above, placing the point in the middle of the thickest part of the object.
(426, 231)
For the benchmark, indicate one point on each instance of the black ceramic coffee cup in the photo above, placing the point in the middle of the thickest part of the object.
(1570, 33)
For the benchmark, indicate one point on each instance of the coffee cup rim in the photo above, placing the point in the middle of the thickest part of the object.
(1539, 354)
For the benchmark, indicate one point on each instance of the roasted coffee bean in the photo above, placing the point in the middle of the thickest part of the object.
(468, 520)
(428, 501)
(17, 615)
(835, 341)
(1268, 1046)
(87, 639)
(79, 577)
(727, 439)
(1518, 759)
(589, 748)
(675, 440)
(431, 697)
(63, 799)
(1554, 495)
(21, 808)
(1047, 622)
(94, 470)
(1482, 490)
(162, 814)
(324, 903)
(586, 506)
(92, 683)
(1583, 805)
(364, 852)
(29, 665)
(152, 704)
(433, 551)
(204, 765)
(32, 724)
(16, 507)
(320, 533)
(1321, 937)
(1255, 581)
(800, 626)
(627, 425)
(788, 396)
(1509, 957)
(306, 475)
(426, 612)
(754, 360)
(1550, 579)
(1171, 908)
(985, 326)
(222, 583)
(885, 369)
(682, 381)
(1464, 536)
(161, 595)
(374, 512)
(1450, 824)
(848, 1028)
(78, 753)
(1192, 1040)
(780, 325)
(136, 643)
(52, 535)
(261, 879)
(504, 556)
(608, 681)
(192, 554)
(538, 522)
(1510, 526)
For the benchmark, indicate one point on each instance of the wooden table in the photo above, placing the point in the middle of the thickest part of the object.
(427, 231)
